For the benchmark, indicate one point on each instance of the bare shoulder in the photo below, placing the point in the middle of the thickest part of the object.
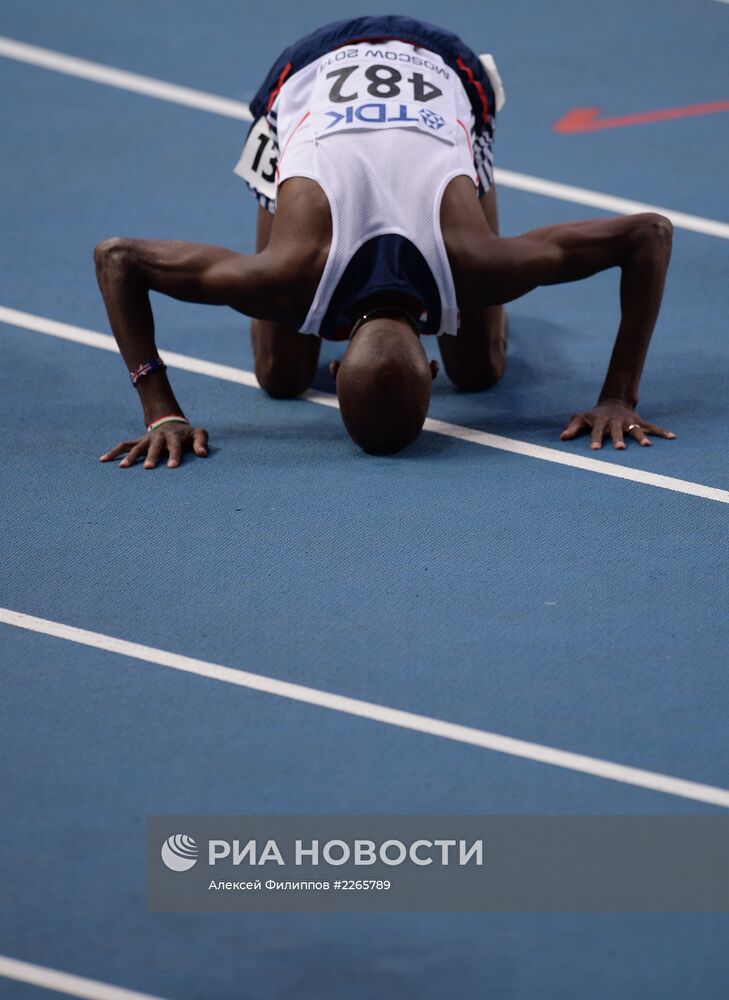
(301, 235)
(465, 229)
(302, 214)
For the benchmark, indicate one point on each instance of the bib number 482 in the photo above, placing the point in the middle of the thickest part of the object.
(384, 82)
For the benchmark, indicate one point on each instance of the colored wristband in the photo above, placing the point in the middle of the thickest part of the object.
(146, 369)
(173, 418)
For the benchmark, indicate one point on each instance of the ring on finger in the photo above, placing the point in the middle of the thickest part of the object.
(632, 427)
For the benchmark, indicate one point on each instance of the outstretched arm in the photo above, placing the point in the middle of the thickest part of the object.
(127, 270)
(640, 245)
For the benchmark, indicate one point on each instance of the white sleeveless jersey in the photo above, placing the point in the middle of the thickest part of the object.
(382, 128)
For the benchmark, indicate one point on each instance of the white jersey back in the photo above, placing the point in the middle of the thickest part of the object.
(383, 128)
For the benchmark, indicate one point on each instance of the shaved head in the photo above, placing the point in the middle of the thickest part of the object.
(383, 385)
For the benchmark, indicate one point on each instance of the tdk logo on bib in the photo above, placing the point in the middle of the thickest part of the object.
(375, 113)
(431, 119)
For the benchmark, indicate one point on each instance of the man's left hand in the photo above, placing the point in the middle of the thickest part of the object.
(615, 418)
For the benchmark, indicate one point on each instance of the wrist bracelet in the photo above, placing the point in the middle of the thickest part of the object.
(146, 369)
(173, 418)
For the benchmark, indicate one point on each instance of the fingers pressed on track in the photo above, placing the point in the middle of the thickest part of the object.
(136, 452)
(598, 433)
(640, 436)
(200, 442)
(577, 424)
(174, 447)
(657, 431)
(117, 450)
(153, 454)
(616, 433)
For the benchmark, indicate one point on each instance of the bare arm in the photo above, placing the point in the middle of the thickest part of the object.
(127, 270)
(640, 246)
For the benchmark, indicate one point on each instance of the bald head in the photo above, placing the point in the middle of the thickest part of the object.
(383, 385)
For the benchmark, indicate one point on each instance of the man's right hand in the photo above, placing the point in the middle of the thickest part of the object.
(174, 439)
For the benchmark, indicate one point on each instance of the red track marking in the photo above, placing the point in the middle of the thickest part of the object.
(588, 120)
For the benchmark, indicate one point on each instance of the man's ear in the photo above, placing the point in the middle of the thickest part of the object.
(434, 369)
(333, 369)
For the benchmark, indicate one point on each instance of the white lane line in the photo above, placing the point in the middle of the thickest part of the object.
(608, 202)
(517, 447)
(64, 982)
(77, 334)
(482, 738)
(99, 73)
(122, 79)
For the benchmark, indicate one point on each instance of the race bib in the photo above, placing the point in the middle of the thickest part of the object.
(258, 161)
(386, 85)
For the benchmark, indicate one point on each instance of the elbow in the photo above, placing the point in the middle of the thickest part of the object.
(112, 255)
(656, 229)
